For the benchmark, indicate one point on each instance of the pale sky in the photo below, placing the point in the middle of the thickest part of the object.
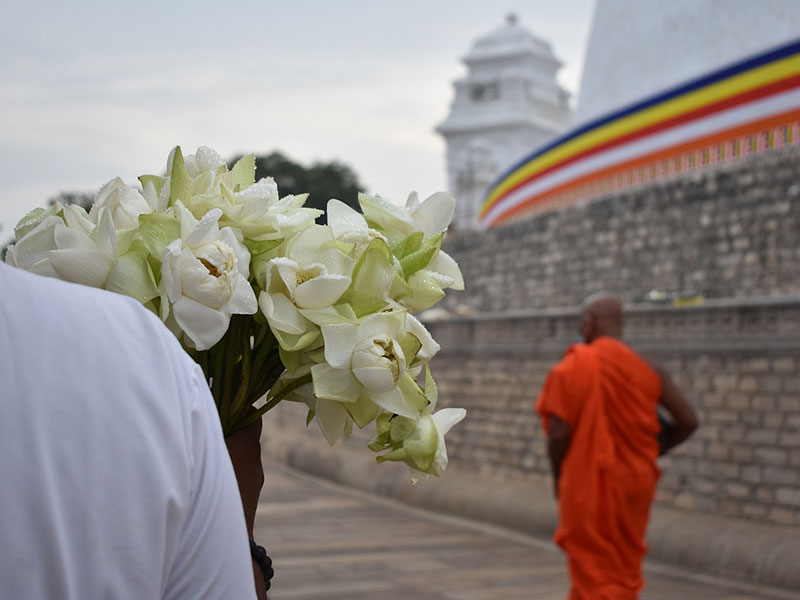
(95, 89)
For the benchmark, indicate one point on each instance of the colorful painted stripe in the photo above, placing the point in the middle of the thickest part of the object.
(745, 108)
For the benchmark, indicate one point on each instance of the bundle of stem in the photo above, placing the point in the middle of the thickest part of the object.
(241, 369)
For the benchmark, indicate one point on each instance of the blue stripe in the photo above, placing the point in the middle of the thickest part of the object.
(703, 81)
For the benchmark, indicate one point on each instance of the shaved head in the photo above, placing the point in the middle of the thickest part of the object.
(601, 314)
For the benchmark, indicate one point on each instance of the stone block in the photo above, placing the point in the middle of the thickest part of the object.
(761, 436)
(763, 402)
(789, 403)
(737, 400)
(779, 514)
(751, 474)
(790, 496)
(789, 438)
(785, 364)
(780, 475)
(737, 490)
(771, 455)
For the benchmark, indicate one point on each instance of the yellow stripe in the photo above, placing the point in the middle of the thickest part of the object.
(712, 93)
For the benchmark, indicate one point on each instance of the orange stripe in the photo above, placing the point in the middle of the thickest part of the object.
(750, 128)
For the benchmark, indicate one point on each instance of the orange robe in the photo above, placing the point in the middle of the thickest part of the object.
(608, 396)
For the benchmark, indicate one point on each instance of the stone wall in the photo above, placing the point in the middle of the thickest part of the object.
(738, 362)
(730, 232)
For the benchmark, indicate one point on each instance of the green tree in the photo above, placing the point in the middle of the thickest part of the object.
(321, 181)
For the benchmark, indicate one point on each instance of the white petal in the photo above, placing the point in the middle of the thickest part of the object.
(149, 193)
(243, 300)
(287, 271)
(429, 346)
(343, 219)
(394, 401)
(78, 265)
(335, 384)
(205, 326)
(412, 202)
(68, 238)
(434, 214)
(340, 340)
(32, 249)
(306, 245)
(76, 218)
(444, 264)
(206, 231)
(332, 419)
(207, 159)
(330, 315)
(171, 271)
(393, 221)
(233, 239)
(188, 222)
(447, 417)
(106, 236)
(282, 314)
(391, 324)
(321, 291)
(375, 379)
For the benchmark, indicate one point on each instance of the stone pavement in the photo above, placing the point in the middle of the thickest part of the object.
(333, 543)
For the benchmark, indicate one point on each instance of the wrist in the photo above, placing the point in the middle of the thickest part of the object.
(262, 562)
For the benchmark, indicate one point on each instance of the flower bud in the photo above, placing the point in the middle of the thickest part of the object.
(378, 363)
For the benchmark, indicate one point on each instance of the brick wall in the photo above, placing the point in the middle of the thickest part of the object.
(730, 232)
(738, 362)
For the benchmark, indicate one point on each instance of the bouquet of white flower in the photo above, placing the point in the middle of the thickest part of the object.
(271, 305)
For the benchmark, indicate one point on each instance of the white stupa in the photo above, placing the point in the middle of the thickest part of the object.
(642, 47)
(508, 103)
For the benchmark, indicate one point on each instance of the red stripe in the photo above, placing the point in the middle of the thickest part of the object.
(781, 120)
(773, 88)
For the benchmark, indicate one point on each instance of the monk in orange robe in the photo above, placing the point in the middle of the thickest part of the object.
(599, 411)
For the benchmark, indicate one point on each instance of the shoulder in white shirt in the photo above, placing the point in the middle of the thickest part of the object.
(116, 480)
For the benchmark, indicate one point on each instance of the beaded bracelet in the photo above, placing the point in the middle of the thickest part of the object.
(263, 561)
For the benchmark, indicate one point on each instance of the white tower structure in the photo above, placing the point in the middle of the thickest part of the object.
(508, 104)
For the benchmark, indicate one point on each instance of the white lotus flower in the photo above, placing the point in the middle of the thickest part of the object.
(414, 233)
(123, 202)
(312, 276)
(204, 278)
(419, 442)
(372, 359)
(35, 237)
(431, 217)
(85, 253)
(255, 208)
(350, 227)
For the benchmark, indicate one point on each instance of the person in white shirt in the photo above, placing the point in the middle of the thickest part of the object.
(116, 482)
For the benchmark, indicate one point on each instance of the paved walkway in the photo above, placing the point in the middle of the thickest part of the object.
(332, 543)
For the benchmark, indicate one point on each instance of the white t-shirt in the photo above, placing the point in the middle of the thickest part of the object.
(116, 483)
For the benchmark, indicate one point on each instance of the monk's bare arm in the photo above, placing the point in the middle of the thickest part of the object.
(557, 445)
(683, 415)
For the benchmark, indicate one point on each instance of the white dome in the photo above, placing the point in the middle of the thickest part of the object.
(509, 40)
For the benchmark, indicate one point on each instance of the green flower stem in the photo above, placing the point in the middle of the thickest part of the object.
(217, 359)
(230, 345)
(266, 379)
(244, 376)
(275, 400)
(264, 347)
